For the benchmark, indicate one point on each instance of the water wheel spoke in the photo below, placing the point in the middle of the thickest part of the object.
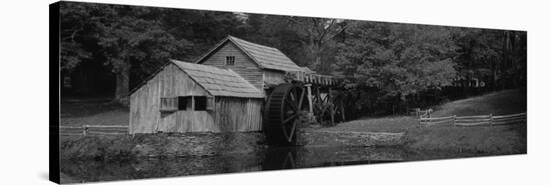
(285, 134)
(289, 160)
(289, 136)
(292, 104)
(292, 129)
(292, 95)
(295, 100)
(290, 118)
(301, 98)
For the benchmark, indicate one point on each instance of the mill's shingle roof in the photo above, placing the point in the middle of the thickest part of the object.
(219, 82)
(264, 56)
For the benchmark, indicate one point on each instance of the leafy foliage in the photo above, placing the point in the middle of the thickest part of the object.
(396, 65)
(123, 36)
(398, 59)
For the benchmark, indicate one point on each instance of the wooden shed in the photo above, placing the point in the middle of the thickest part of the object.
(258, 64)
(187, 97)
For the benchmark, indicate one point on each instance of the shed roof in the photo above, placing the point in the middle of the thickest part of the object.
(219, 82)
(264, 56)
(307, 70)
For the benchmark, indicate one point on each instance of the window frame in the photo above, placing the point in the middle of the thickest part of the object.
(186, 100)
(190, 103)
(230, 60)
(168, 104)
(200, 103)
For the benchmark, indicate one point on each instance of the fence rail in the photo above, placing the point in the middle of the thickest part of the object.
(93, 130)
(475, 120)
(421, 113)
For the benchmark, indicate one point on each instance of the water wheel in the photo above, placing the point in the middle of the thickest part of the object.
(283, 112)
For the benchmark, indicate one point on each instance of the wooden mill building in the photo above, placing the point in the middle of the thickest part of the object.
(260, 65)
(187, 97)
(223, 91)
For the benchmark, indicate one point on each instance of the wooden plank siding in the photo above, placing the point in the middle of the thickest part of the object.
(238, 114)
(145, 114)
(244, 66)
(229, 114)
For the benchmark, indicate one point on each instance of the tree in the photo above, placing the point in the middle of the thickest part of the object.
(308, 41)
(275, 31)
(124, 36)
(317, 36)
(394, 62)
(497, 57)
(399, 60)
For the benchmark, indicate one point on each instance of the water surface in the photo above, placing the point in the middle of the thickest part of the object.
(272, 158)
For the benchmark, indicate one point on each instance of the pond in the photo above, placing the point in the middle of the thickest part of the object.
(272, 158)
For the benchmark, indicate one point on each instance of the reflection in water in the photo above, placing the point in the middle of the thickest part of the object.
(305, 157)
(272, 158)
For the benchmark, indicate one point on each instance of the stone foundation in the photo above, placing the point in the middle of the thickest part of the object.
(160, 145)
(319, 137)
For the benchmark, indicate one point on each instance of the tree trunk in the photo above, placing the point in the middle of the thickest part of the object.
(317, 62)
(83, 81)
(122, 85)
(494, 75)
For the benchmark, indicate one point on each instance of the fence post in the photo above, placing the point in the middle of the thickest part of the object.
(454, 120)
(491, 119)
(85, 130)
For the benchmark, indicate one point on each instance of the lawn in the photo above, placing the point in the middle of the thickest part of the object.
(498, 103)
(491, 140)
(504, 139)
(75, 112)
(384, 124)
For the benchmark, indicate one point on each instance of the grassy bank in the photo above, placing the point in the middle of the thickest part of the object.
(481, 140)
(488, 140)
(497, 103)
(76, 112)
(466, 141)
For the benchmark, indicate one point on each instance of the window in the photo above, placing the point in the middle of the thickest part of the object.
(230, 60)
(172, 104)
(200, 102)
(168, 104)
(204, 103)
(183, 102)
(67, 82)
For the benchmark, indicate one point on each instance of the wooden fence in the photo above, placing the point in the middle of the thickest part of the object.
(475, 120)
(419, 113)
(93, 130)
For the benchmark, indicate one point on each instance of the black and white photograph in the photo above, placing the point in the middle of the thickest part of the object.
(246, 92)
(150, 92)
